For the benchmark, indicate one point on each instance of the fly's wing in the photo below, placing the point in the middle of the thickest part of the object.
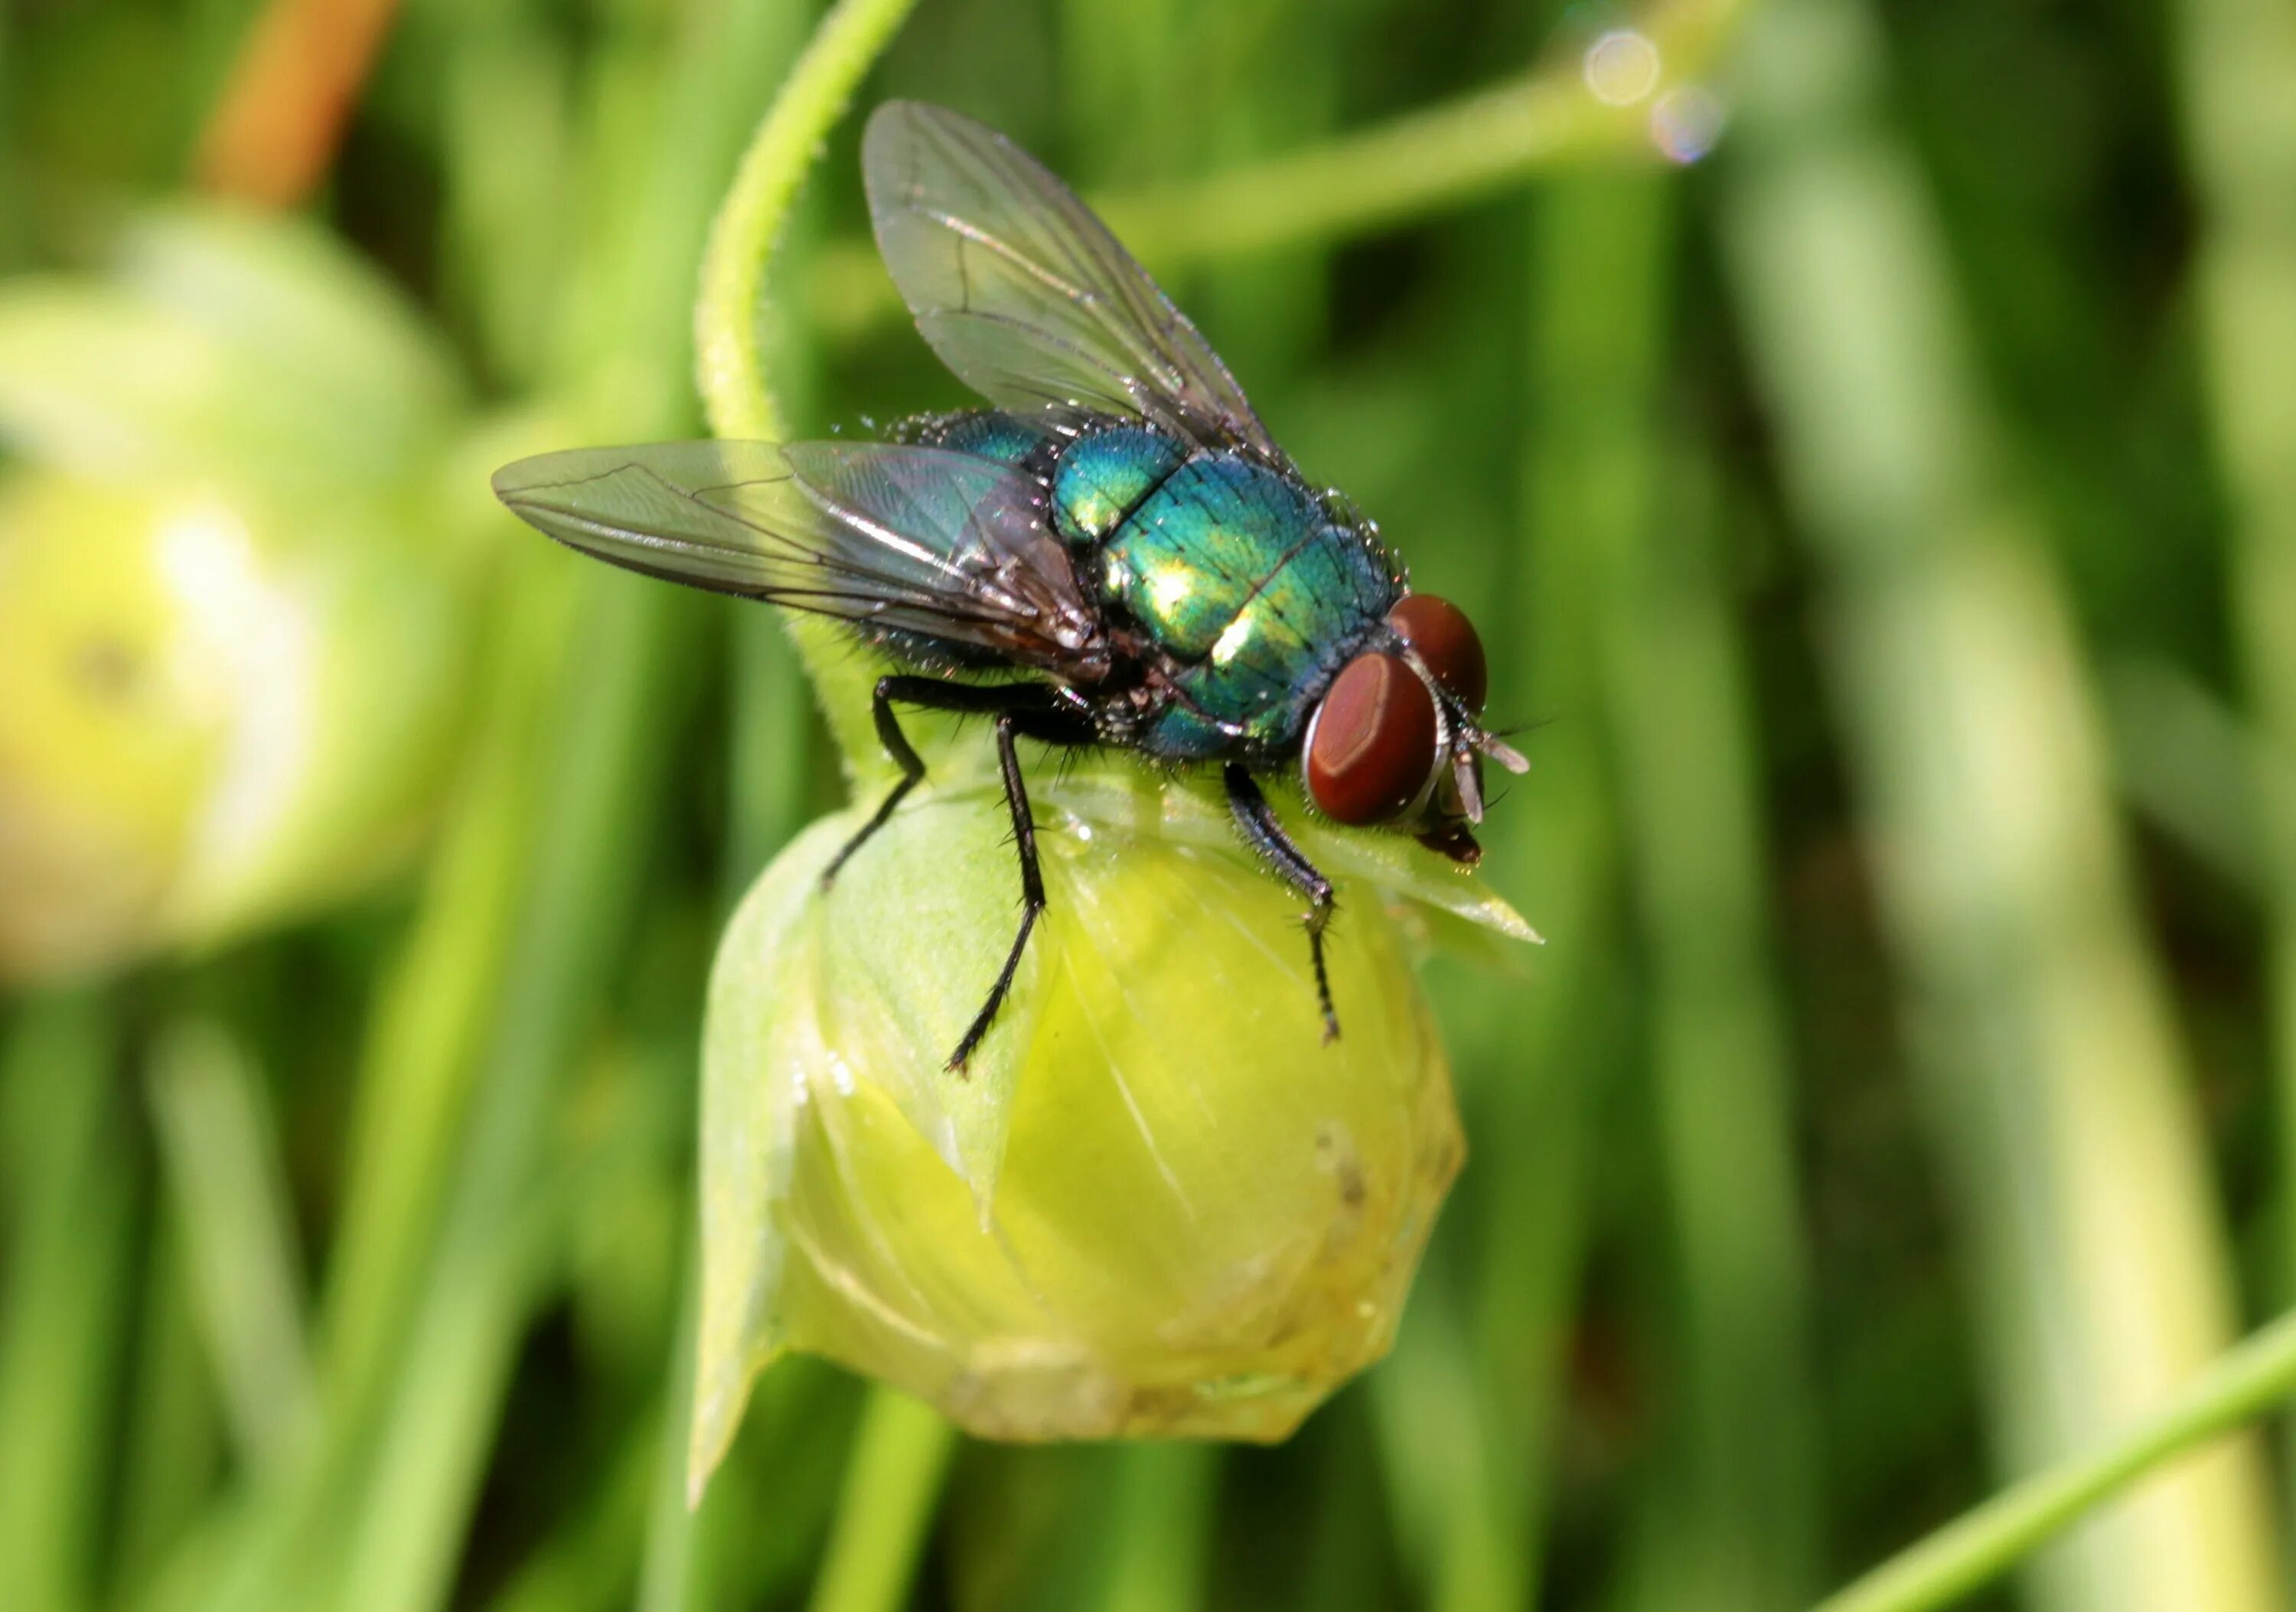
(1026, 295)
(881, 535)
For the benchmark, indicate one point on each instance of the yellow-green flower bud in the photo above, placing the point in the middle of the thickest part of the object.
(105, 735)
(1158, 1203)
(231, 630)
(208, 717)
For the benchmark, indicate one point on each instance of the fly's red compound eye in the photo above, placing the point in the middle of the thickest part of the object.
(1372, 747)
(1439, 634)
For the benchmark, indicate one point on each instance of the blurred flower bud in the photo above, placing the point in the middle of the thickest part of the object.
(230, 633)
(1158, 1203)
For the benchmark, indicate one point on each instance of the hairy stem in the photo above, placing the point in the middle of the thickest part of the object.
(729, 360)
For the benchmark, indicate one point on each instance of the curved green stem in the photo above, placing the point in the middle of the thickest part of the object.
(729, 364)
(729, 360)
(2244, 1384)
(1372, 179)
(1333, 190)
(1464, 150)
(1362, 182)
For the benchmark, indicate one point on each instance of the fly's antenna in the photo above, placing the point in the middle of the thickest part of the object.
(1505, 754)
(1470, 787)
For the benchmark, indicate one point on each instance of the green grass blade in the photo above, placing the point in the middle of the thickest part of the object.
(220, 1153)
(585, 1566)
(1159, 1530)
(666, 1579)
(891, 1486)
(2238, 62)
(431, 1010)
(173, 1452)
(607, 764)
(1457, 1490)
(2050, 1069)
(610, 725)
(1347, 1570)
(66, 1297)
(1740, 1530)
(2187, 761)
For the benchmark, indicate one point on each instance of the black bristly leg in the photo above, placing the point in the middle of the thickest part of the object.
(1023, 710)
(927, 694)
(1051, 727)
(1257, 819)
(1032, 890)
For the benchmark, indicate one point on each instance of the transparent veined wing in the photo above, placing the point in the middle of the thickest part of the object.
(878, 534)
(1026, 295)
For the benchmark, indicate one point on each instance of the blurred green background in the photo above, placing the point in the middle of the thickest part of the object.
(1884, 525)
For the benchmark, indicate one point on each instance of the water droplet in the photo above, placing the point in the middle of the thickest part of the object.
(1621, 67)
(1686, 121)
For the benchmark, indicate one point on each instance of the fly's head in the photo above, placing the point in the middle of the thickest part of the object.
(1397, 740)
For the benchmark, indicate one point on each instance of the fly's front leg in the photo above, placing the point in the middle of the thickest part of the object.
(1257, 819)
(928, 693)
(1050, 728)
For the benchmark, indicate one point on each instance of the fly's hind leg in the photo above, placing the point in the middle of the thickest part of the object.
(1257, 819)
(926, 694)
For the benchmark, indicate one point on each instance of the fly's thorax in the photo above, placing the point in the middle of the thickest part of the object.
(1101, 478)
(1238, 576)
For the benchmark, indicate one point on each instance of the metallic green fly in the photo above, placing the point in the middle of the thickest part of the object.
(1115, 553)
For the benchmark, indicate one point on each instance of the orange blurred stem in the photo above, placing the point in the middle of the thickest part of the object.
(282, 113)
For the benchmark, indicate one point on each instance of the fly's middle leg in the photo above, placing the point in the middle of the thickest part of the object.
(1032, 891)
(1050, 728)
